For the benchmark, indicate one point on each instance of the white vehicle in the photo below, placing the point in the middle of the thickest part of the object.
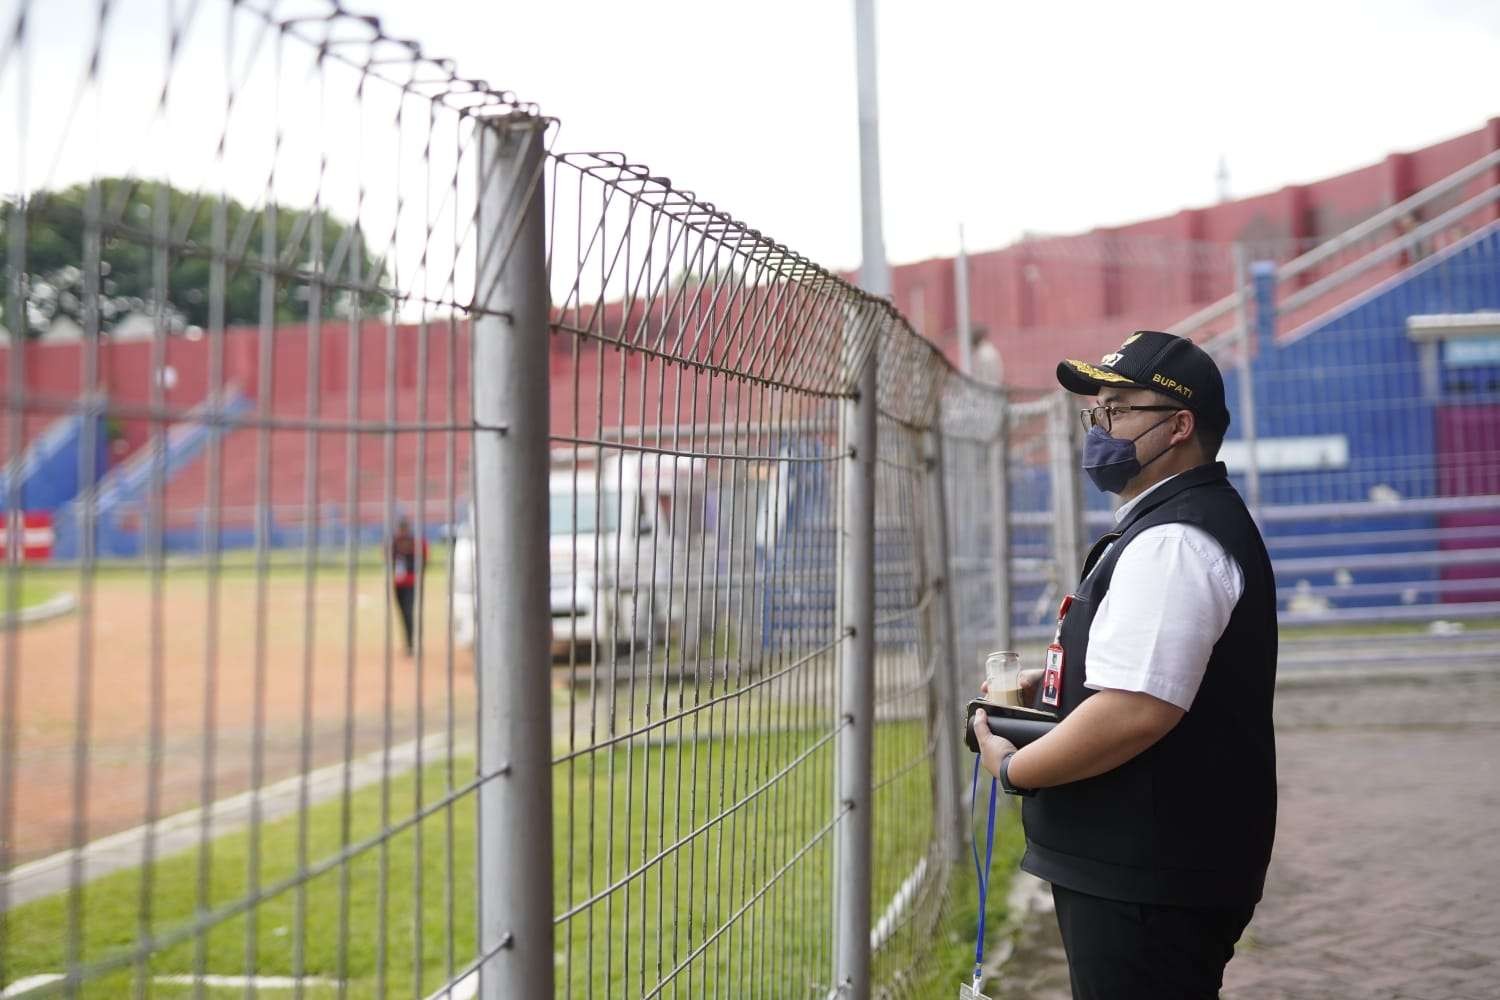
(621, 535)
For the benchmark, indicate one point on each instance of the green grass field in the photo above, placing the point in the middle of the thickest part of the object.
(1370, 629)
(397, 918)
(34, 590)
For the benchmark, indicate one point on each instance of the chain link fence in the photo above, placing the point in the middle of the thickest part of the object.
(439, 563)
(472, 567)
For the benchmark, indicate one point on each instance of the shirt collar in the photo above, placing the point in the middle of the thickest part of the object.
(1125, 508)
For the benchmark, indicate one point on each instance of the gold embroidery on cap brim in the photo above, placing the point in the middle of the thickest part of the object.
(1084, 368)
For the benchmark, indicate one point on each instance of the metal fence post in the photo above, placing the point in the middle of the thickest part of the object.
(1263, 282)
(961, 303)
(1067, 500)
(513, 640)
(1262, 312)
(944, 688)
(1248, 431)
(997, 471)
(855, 745)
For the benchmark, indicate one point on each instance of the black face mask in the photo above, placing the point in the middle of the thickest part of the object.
(1111, 462)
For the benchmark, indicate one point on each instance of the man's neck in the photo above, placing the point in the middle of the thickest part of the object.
(1145, 481)
(1159, 472)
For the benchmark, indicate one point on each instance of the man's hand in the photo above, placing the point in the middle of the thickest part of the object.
(1029, 680)
(992, 748)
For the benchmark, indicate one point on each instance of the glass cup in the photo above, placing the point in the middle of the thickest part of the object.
(1002, 676)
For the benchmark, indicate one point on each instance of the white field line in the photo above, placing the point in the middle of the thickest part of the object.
(174, 834)
(466, 988)
(53, 607)
(240, 982)
(896, 909)
(23, 986)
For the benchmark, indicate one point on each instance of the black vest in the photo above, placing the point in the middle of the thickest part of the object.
(1188, 822)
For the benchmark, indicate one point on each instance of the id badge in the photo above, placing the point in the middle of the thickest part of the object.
(1052, 676)
(968, 992)
(1053, 673)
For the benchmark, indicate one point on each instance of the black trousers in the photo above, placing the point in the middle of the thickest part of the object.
(406, 598)
(1142, 951)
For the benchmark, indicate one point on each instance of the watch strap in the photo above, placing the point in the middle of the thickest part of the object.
(1005, 778)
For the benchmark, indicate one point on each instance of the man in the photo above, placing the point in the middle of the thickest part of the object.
(408, 560)
(1151, 806)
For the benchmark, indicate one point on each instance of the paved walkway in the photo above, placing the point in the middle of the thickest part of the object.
(1385, 884)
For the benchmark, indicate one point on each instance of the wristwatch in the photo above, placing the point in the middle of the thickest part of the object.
(1005, 778)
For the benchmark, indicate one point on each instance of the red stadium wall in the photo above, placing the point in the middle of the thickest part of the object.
(1037, 300)
(1045, 297)
(54, 373)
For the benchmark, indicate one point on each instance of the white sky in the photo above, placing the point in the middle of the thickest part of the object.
(1007, 116)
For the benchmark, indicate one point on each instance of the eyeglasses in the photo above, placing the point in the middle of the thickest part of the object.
(1103, 415)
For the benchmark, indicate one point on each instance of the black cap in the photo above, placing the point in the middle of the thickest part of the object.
(1162, 362)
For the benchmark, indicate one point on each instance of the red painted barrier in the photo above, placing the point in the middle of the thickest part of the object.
(32, 530)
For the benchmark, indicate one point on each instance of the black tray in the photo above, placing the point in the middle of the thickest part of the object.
(1019, 725)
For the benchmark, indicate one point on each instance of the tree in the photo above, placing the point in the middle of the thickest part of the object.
(128, 211)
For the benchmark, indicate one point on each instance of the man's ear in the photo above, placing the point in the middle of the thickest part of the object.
(1184, 430)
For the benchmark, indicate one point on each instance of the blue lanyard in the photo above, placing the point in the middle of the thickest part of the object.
(983, 873)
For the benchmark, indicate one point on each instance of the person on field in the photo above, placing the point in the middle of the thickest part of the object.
(1151, 806)
(408, 560)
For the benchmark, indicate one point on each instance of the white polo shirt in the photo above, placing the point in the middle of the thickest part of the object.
(1169, 601)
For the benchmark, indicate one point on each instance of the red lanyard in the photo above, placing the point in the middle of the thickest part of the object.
(1053, 674)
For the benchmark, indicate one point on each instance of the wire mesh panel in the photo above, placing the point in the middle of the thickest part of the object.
(907, 887)
(1358, 372)
(1372, 458)
(237, 729)
(1031, 463)
(944, 573)
(975, 432)
(265, 270)
(696, 504)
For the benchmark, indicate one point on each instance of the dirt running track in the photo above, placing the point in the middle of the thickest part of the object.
(308, 685)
